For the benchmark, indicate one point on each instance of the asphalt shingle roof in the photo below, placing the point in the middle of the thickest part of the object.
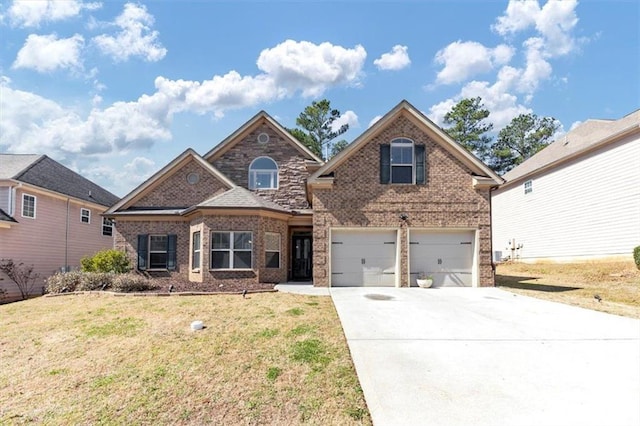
(42, 171)
(4, 216)
(241, 198)
(587, 134)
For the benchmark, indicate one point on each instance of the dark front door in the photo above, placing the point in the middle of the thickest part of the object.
(302, 257)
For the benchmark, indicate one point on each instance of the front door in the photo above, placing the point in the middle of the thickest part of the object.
(302, 257)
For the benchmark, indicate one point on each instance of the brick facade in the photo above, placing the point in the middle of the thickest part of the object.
(357, 199)
(175, 191)
(126, 239)
(292, 169)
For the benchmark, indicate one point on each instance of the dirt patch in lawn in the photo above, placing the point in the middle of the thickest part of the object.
(269, 358)
(612, 287)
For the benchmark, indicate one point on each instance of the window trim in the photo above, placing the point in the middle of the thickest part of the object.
(528, 189)
(24, 195)
(82, 216)
(194, 250)
(108, 225)
(405, 142)
(231, 250)
(279, 251)
(166, 252)
(274, 174)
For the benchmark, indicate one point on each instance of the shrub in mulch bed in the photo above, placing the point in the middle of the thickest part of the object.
(67, 282)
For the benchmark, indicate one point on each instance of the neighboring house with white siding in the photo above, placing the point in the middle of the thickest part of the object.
(577, 199)
(50, 216)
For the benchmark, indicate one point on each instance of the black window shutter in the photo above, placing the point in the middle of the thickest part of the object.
(420, 164)
(385, 163)
(143, 241)
(172, 243)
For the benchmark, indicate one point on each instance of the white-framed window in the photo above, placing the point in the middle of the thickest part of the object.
(85, 215)
(29, 206)
(528, 187)
(402, 161)
(195, 250)
(107, 227)
(263, 174)
(272, 250)
(158, 245)
(231, 250)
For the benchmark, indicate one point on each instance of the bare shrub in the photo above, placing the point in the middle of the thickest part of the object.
(130, 282)
(21, 274)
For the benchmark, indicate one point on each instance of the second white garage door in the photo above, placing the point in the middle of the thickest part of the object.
(447, 256)
(363, 258)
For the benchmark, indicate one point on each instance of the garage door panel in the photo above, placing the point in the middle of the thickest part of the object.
(447, 256)
(363, 258)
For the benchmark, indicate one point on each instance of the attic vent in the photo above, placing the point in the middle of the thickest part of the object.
(263, 138)
(193, 178)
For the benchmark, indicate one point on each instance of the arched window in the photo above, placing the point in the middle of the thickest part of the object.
(402, 161)
(263, 174)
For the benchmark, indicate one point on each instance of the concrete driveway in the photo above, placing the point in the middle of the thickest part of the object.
(469, 356)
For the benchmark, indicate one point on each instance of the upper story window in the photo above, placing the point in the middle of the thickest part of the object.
(107, 227)
(528, 187)
(263, 174)
(402, 162)
(85, 215)
(28, 206)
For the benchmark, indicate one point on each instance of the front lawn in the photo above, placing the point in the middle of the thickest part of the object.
(271, 358)
(615, 284)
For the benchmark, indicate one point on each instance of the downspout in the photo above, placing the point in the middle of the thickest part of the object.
(66, 240)
(493, 264)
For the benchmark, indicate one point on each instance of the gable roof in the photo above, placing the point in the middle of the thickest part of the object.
(585, 138)
(43, 172)
(254, 122)
(164, 173)
(404, 108)
(239, 198)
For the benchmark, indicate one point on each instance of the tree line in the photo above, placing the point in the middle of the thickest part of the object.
(466, 123)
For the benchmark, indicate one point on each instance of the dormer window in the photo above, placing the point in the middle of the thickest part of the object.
(263, 174)
(402, 162)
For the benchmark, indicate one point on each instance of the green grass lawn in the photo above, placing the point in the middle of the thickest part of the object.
(271, 358)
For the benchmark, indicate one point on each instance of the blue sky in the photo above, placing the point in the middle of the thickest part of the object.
(115, 90)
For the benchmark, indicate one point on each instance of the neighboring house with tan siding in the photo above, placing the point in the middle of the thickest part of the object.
(577, 199)
(50, 216)
(402, 199)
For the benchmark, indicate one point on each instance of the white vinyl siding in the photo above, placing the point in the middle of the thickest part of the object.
(583, 209)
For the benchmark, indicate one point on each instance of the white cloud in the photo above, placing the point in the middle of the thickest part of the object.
(395, 60)
(374, 120)
(463, 60)
(349, 117)
(122, 179)
(311, 68)
(30, 13)
(48, 53)
(554, 22)
(31, 123)
(135, 38)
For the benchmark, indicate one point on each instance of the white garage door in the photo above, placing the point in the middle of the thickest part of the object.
(447, 256)
(363, 258)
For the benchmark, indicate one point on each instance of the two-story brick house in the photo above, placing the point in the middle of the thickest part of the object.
(402, 199)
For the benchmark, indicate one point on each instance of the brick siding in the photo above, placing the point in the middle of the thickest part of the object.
(175, 191)
(357, 199)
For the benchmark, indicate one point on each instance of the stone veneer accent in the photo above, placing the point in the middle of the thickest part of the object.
(357, 199)
(175, 191)
(292, 173)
